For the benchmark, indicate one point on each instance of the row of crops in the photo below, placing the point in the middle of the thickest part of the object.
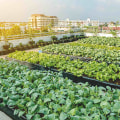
(47, 95)
(110, 41)
(96, 48)
(100, 71)
(44, 95)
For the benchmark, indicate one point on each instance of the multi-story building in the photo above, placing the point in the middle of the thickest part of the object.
(37, 21)
(65, 25)
(76, 23)
(9, 25)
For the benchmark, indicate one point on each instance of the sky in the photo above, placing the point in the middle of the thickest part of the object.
(21, 10)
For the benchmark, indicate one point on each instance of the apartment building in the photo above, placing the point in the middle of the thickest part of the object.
(65, 25)
(37, 21)
(78, 23)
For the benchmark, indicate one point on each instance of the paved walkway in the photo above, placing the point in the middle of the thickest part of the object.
(3, 116)
(35, 49)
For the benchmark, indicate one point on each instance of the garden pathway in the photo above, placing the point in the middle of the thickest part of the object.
(35, 49)
(3, 116)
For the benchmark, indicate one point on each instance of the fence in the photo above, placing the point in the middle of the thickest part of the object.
(24, 36)
(24, 40)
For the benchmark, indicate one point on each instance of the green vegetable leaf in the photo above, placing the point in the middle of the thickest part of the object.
(116, 107)
(21, 113)
(63, 116)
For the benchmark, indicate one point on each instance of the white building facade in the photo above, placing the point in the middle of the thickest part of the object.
(36, 21)
(65, 25)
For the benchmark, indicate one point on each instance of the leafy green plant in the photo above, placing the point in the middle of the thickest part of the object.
(48, 96)
(54, 38)
(110, 41)
(7, 45)
(31, 42)
(96, 52)
(114, 33)
(100, 71)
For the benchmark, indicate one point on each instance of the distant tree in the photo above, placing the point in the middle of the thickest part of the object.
(50, 30)
(26, 31)
(15, 30)
(2, 25)
(49, 27)
(30, 32)
(117, 23)
(52, 23)
(22, 24)
(44, 29)
(96, 29)
(0, 32)
(78, 24)
(113, 32)
(113, 23)
(106, 24)
(101, 27)
(70, 27)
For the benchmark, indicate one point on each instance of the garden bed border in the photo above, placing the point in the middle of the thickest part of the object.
(74, 78)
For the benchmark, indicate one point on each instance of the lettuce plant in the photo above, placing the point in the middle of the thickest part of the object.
(100, 71)
(44, 95)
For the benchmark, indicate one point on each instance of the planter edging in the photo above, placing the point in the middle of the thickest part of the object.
(66, 74)
(10, 113)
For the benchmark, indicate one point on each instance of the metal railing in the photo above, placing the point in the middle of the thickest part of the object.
(23, 36)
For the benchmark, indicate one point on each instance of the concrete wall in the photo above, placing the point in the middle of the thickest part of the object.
(101, 34)
(36, 39)
(48, 38)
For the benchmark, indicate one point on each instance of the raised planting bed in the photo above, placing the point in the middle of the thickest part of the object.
(39, 95)
(32, 44)
(10, 113)
(107, 47)
(71, 56)
(85, 59)
(74, 78)
(75, 69)
(85, 50)
(109, 41)
(4, 52)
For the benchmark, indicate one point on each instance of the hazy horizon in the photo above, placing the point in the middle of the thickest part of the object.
(20, 11)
